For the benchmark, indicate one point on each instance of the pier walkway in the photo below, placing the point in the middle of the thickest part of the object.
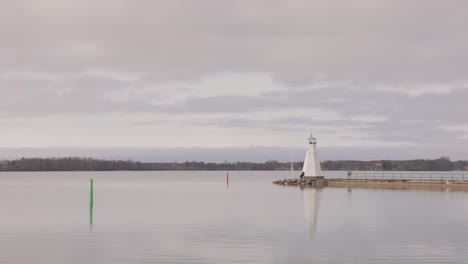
(407, 175)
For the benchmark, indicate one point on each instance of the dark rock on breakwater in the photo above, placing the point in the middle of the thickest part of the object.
(312, 182)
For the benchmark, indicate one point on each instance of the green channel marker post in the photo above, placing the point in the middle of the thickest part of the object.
(91, 194)
(91, 204)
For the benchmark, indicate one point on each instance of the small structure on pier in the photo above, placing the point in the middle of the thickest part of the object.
(311, 167)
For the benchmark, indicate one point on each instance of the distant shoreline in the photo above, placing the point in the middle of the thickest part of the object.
(90, 164)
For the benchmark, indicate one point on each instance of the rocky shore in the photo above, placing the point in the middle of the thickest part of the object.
(317, 182)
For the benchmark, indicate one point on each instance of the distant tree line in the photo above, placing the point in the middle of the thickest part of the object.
(440, 164)
(89, 164)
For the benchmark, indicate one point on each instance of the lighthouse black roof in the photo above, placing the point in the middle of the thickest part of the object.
(311, 138)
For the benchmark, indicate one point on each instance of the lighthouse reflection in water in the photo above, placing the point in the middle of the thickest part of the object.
(311, 207)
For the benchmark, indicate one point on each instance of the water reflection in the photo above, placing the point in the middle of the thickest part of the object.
(311, 204)
(227, 181)
(90, 218)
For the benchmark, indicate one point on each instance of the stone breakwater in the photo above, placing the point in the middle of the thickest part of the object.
(303, 182)
(379, 184)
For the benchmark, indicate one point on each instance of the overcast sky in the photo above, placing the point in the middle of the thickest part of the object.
(373, 79)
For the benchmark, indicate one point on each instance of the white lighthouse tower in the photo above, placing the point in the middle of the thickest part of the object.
(312, 162)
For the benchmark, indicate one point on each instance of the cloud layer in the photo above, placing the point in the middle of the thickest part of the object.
(378, 74)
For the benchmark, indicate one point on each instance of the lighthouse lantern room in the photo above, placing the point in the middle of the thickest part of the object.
(311, 161)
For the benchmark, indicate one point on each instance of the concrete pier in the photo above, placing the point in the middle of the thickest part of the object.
(377, 184)
(400, 184)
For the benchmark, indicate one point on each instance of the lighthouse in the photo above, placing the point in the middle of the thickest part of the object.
(311, 161)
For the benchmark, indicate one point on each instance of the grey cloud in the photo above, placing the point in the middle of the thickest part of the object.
(75, 94)
(396, 106)
(298, 41)
(432, 112)
(445, 109)
(93, 57)
(220, 104)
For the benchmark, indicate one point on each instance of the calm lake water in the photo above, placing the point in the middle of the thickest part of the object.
(194, 217)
